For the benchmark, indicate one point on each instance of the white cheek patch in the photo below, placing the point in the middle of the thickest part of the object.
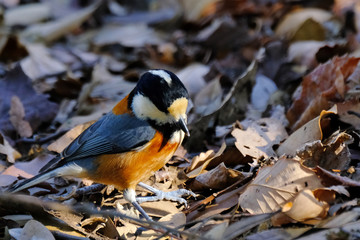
(143, 108)
(164, 75)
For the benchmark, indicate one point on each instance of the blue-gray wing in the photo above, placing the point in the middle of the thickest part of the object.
(110, 134)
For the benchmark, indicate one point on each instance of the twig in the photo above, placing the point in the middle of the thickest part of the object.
(90, 189)
(28, 203)
(214, 195)
(37, 140)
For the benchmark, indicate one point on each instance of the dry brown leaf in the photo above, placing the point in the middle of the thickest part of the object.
(193, 11)
(60, 144)
(330, 154)
(201, 159)
(310, 132)
(306, 207)
(200, 162)
(217, 178)
(160, 208)
(24, 169)
(8, 150)
(291, 23)
(173, 220)
(322, 87)
(330, 179)
(38, 109)
(221, 203)
(259, 138)
(127, 228)
(17, 115)
(310, 30)
(277, 184)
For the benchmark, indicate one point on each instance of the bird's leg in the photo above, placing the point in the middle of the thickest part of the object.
(175, 196)
(130, 196)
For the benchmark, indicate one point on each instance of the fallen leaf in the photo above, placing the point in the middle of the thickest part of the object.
(220, 204)
(40, 64)
(17, 115)
(217, 178)
(261, 92)
(53, 30)
(173, 220)
(27, 14)
(217, 232)
(303, 52)
(346, 231)
(275, 185)
(308, 133)
(329, 178)
(8, 150)
(236, 229)
(24, 169)
(260, 137)
(322, 87)
(11, 49)
(200, 162)
(330, 154)
(305, 207)
(208, 100)
(193, 11)
(214, 35)
(60, 144)
(344, 110)
(279, 233)
(310, 30)
(193, 77)
(130, 35)
(32, 230)
(38, 109)
(292, 22)
(228, 112)
(160, 208)
(341, 219)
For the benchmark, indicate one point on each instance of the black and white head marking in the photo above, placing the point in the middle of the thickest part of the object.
(160, 97)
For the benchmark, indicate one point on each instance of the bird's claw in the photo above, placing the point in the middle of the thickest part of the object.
(175, 196)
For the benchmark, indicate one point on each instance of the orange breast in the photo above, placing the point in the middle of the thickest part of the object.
(126, 170)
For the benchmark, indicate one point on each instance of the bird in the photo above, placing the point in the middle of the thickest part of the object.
(129, 143)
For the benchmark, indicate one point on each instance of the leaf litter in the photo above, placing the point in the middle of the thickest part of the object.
(274, 116)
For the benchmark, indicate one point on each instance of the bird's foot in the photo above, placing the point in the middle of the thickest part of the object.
(175, 196)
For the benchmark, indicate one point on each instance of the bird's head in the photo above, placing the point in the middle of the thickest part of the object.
(161, 98)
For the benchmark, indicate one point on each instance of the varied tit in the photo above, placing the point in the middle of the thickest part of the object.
(125, 146)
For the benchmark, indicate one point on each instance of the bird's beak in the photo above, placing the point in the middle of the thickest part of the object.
(183, 126)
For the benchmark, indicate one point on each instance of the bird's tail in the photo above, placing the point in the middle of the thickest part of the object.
(33, 181)
(70, 169)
